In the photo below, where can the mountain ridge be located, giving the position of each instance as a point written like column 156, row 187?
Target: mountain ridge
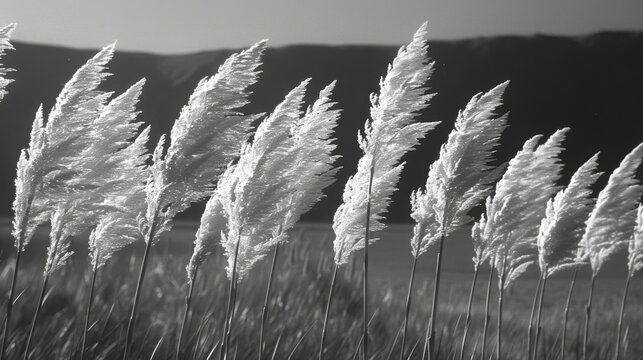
column 590, row 83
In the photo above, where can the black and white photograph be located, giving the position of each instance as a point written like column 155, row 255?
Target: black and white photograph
column 327, row 180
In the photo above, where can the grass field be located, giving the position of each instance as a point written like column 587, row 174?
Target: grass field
column 296, row 309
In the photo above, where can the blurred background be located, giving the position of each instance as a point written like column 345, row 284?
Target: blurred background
column 576, row 63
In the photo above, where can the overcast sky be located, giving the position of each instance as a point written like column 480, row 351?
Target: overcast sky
column 177, row 26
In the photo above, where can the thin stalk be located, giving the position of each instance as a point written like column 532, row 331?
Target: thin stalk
column 501, row 294
column 487, row 318
column 188, row 302
column 228, row 317
column 139, row 286
column 620, row 317
column 434, row 303
column 567, row 305
column 588, row 312
column 330, row 298
column 41, row 299
column 530, row 328
column 89, row 306
column 264, row 311
column 408, row 300
column 14, row 277
column 365, row 267
column 12, row 293
column 540, row 308
column 468, row 318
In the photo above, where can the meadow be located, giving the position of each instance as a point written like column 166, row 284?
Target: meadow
column 300, row 288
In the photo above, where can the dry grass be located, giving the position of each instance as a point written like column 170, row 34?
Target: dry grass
column 299, row 292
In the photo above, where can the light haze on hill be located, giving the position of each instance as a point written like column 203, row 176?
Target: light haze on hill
column 167, row 26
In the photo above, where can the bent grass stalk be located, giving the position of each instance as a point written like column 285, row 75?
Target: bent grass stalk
column 530, row 328
column 365, row 266
column 227, row 321
column 408, row 300
column 467, row 321
column 620, row 317
column 324, row 327
column 188, row 302
column 139, row 286
column 588, row 312
column 12, row 294
column 89, row 307
column 501, row 293
column 264, row 311
column 487, row 317
column 540, row 308
column 434, row 304
column 566, row 316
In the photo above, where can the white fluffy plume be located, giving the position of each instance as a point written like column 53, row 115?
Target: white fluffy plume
column 635, row 254
column 461, row 177
column 280, row 176
column 110, row 182
column 46, row 168
column 564, row 222
column 611, row 224
column 204, row 139
column 389, row 134
column 5, row 34
column 508, row 232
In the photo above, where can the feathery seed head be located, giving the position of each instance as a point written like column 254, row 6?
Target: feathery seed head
column 462, row 176
column 562, row 227
column 388, row 135
column 207, row 135
column 514, row 213
column 612, row 221
column 635, row 253
column 5, row 34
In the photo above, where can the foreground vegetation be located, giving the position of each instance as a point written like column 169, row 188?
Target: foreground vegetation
column 296, row 311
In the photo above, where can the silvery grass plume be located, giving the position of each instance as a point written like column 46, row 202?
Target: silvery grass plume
column 461, row 177
column 560, row 231
column 564, row 223
column 111, row 172
column 510, row 227
column 507, row 234
column 634, row 264
column 635, row 253
column 278, row 178
column 388, row 135
column 46, row 168
column 89, row 192
column 205, row 138
column 457, row 181
column 612, row 221
column 5, row 34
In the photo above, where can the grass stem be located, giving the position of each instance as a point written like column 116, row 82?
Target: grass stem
column 325, row 326
column 12, row 294
column 227, row 322
column 487, row 317
column 139, row 286
column 188, row 302
column 540, row 308
column 434, row 302
column 566, row 316
column 89, row 306
column 467, row 321
column 264, row 311
column 530, row 328
column 365, row 267
column 408, row 299
column 32, row 328
column 620, row 317
column 588, row 313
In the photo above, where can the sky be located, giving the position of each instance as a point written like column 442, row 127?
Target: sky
column 164, row 26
